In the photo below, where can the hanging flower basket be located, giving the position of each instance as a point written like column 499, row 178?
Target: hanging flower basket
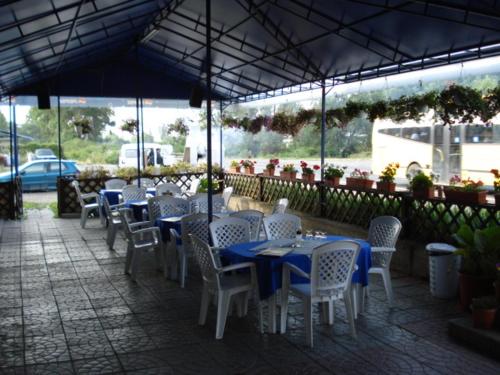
column 130, row 125
column 82, row 125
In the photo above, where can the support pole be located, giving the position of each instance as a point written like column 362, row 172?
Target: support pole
column 138, row 142
column 208, row 64
column 14, row 125
column 142, row 135
column 11, row 151
column 323, row 128
column 59, row 133
column 221, row 156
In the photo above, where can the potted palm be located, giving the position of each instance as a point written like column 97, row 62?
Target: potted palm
column 480, row 254
column 359, row 179
column 484, row 310
column 465, row 191
column 248, row 166
column 422, row 186
column 308, row 172
column 234, row 167
column 333, row 174
column 386, row 179
column 496, row 186
column 288, row 172
column 271, row 167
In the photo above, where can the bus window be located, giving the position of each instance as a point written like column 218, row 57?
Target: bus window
column 479, row 134
column 395, row 132
column 455, row 134
column 419, row 134
column 496, row 133
column 438, row 134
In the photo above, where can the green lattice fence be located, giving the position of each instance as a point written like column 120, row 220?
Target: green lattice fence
column 425, row 220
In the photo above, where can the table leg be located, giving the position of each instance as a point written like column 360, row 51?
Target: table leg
column 358, row 299
column 271, row 307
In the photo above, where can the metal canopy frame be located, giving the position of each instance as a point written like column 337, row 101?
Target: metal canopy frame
column 260, row 48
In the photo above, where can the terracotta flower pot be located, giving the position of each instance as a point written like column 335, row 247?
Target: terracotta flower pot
column 427, row 193
column 386, row 186
column 269, row 172
column 471, row 286
column 288, row 175
column 467, row 197
column 234, row 169
column 484, row 318
column 249, row 170
column 333, row 181
column 359, row 183
column 309, row 178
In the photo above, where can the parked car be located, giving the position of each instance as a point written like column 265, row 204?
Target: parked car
column 44, row 153
column 42, row 174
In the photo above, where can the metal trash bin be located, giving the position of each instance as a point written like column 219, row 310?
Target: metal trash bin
column 443, row 270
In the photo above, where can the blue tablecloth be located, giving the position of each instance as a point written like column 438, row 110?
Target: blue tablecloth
column 138, row 208
column 112, row 194
column 269, row 268
column 166, row 225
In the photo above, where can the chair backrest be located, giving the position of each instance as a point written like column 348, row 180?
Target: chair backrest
column 281, row 226
column 133, row 193
column 107, row 210
column 254, row 218
column 218, row 203
column 280, row 206
column 126, row 215
column 384, row 231
column 205, row 258
column 226, row 194
column 193, row 188
column 115, row 183
column 76, row 185
column 196, row 224
column 168, row 188
column 332, row 266
column 145, row 182
column 198, row 202
column 229, row 231
column 166, row 205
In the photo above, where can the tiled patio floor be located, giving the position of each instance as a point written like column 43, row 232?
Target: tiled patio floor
column 66, row 307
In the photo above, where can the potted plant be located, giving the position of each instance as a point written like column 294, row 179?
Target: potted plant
column 308, row 172
column 359, row 179
column 130, row 125
column 82, row 125
column 480, row 254
column 333, row 174
column 496, row 186
column 465, row 191
column 386, row 179
column 271, row 167
column 203, row 186
column 289, row 172
column 234, row 167
column 422, row 186
column 248, row 166
column 484, row 310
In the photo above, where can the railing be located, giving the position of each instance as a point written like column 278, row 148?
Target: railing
column 11, row 199
column 427, row 220
column 67, row 200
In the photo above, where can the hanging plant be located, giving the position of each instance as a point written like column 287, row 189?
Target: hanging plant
column 460, row 104
column 492, row 104
column 306, row 116
column 377, row 110
column 354, row 109
column 82, row 125
column 130, row 125
column 178, row 127
column 283, row 123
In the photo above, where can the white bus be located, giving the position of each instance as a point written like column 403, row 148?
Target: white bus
column 463, row 150
column 162, row 155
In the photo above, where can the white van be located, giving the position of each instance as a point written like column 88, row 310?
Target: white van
column 154, row 154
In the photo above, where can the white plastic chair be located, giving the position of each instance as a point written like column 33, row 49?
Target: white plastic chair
column 193, row 187
column 145, row 182
column 199, row 203
column 115, row 183
column 140, row 236
column 382, row 236
column 229, row 231
column 280, row 206
column 279, row 226
column 254, row 218
column 114, row 221
column 218, row 282
column 133, row 193
column 87, row 208
column 332, row 266
column 168, row 188
column 164, row 205
column 226, row 194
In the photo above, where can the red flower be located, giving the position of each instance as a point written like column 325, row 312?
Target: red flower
column 303, row 164
column 316, row 167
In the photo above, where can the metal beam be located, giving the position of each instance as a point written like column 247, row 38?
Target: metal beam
column 208, row 66
column 70, row 35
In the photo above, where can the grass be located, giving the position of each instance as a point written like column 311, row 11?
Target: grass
column 40, row 206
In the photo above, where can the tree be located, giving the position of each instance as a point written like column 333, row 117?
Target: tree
column 42, row 124
column 3, row 122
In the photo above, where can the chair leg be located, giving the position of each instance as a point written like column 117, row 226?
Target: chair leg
column 83, row 217
column 327, row 312
column 183, row 267
column 222, row 310
column 284, row 309
column 111, row 236
column 386, row 277
column 205, row 301
column 128, row 260
column 308, row 321
column 349, row 312
column 135, row 263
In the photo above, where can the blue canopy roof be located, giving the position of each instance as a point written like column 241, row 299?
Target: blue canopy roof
column 156, row 48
